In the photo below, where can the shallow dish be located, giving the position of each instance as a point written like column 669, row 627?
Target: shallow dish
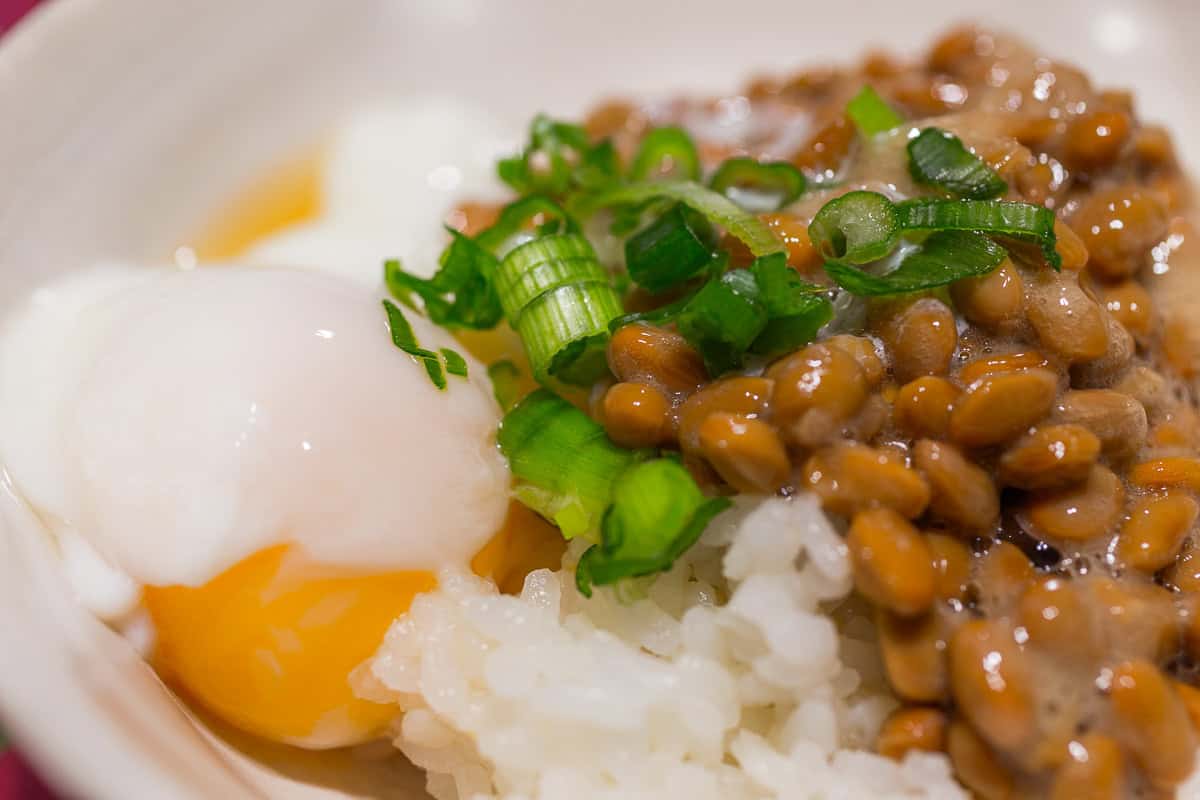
column 137, row 119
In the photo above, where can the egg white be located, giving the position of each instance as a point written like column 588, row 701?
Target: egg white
column 389, row 180
column 202, row 416
column 170, row 423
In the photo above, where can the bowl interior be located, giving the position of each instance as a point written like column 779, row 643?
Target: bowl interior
column 136, row 118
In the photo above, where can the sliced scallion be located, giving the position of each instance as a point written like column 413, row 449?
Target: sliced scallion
column 855, row 228
column 670, row 250
column 657, row 513
column 434, row 370
column 938, row 158
column 758, row 185
column 871, row 114
column 1021, row 221
column 716, row 208
column 666, row 153
column 766, row 309
column 600, row 166
column 455, row 363
column 506, row 383
column 723, row 319
column 460, row 295
column 536, row 215
column 559, row 157
column 541, row 265
column 404, row 339
column 564, row 463
column 557, row 297
column 796, row 309
column 565, row 332
column 655, row 316
column 943, row 258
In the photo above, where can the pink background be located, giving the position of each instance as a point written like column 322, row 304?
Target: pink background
column 10, row 12
column 17, row 780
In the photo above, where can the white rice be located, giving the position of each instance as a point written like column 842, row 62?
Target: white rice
column 729, row 680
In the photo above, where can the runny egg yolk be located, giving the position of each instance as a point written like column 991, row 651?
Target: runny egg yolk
column 269, row 645
column 288, row 194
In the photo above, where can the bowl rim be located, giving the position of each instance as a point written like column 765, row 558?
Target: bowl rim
column 108, row 766
column 33, row 47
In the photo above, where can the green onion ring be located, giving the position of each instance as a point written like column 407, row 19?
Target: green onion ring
column 855, row 228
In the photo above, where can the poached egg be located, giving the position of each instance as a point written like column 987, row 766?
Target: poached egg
column 245, row 448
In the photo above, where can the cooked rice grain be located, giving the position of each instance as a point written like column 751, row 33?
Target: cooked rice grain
column 728, row 679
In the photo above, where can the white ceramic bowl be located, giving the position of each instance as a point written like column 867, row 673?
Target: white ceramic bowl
column 127, row 121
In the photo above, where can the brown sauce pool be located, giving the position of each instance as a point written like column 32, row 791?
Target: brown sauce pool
column 1016, row 460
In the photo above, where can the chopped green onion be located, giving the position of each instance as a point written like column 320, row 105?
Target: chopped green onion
column 714, row 207
column 655, row 316
column 404, row 338
column 557, row 296
column 938, row 158
column 657, row 513
column 517, row 216
column 666, row 152
column 455, row 363
column 723, row 319
column 545, row 163
column 506, row 383
column 855, row 228
column 944, row 257
column 670, row 250
column 564, row 463
column 402, row 333
column 766, row 309
column 600, row 166
column 565, row 332
column 543, row 264
column 758, row 185
column 870, row 114
column 434, row 370
column 796, row 309
column 645, row 514
column 461, row 294
column 559, row 157
column 465, row 275
column 1021, row 221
